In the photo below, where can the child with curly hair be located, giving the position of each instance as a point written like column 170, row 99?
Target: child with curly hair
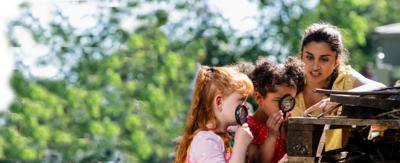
column 272, row 83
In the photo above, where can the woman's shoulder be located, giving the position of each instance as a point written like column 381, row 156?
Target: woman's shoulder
column 346, row 70
column 345, row 79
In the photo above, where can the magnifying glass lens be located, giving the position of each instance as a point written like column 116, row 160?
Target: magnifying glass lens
column 241, row 114
column 286, row 103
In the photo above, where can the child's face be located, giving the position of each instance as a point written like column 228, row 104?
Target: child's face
column 269, row 104
column 229, row 104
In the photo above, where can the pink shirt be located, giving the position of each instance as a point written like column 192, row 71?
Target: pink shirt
column 207, row 147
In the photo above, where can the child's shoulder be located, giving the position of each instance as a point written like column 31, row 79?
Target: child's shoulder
column 206, row 135
column 258, row 130
column 205, row 141
column 206, row 146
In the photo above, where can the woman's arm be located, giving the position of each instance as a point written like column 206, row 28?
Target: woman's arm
column 362, row 83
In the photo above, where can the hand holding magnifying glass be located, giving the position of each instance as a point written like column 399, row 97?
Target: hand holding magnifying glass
column 286, row 104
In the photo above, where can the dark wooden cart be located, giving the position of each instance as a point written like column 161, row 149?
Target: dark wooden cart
column 304, row 133
column 359, row 110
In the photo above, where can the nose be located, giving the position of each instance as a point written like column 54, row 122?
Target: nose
column 315, row 65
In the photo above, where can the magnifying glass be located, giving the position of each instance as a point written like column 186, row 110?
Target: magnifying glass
column 286, row 104
column 241, row 114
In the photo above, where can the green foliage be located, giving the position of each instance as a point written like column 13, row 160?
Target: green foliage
column 124, row 102
column 123, row 94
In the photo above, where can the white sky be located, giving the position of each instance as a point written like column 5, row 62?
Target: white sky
column 238, row 12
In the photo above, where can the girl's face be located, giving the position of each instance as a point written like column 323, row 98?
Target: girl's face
column 269, row 104
column 320, row 61
column 229, row 104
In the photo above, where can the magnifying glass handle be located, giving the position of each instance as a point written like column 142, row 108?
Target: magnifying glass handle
column 280, row 126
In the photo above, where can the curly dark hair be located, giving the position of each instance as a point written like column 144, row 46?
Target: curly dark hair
column 267, row 75
column 244, row 67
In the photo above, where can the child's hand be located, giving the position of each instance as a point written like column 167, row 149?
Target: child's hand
column 273, row 124
column 288, row 114
column 243, row 135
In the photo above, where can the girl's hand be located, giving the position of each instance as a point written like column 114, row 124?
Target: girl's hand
column 273, row 124
column 243, row 135
column 322, row 106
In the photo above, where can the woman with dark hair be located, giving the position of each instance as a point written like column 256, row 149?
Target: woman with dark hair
column 325, row 59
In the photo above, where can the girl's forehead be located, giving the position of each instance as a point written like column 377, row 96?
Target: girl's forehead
column 285, row 89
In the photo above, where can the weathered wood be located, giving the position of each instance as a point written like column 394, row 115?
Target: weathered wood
column 366, row 101
column 341, row 121
column 322, row 141
column 296, row 159
column 300, row 140
column 361, row 112
column 378, row 92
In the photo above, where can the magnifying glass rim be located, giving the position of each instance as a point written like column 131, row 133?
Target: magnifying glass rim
column 282, row 100
column 237, row 113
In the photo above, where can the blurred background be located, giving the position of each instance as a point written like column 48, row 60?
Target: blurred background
column 110, row 81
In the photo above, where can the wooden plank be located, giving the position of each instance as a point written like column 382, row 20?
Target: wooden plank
column 341, row 121
column 296, row 159
column 338, row 92
column 300, row 140
column 366, row 101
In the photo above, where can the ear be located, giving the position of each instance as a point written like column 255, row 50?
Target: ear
column 258, row 98
column 217, row 102
column 337, row 62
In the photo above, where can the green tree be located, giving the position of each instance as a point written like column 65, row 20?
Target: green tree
column 121, row 94
column 124, row 93
column 357, row 20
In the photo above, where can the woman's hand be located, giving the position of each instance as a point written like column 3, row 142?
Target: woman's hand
column 322, row 106
column 273, row 123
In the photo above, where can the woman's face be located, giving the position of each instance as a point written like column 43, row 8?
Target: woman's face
column 320, row 61
column 229, row 105
column 269, row 104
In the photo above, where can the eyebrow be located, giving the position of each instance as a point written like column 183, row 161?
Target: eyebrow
column 327, row 55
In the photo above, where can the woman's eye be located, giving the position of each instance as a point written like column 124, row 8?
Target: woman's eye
column 309, row 57
column 325, row 59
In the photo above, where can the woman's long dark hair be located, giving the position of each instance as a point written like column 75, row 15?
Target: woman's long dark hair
column 322, row 32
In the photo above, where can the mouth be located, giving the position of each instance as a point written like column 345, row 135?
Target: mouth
column 315, row 74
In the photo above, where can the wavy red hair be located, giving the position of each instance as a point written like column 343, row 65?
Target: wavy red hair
column 209, row 82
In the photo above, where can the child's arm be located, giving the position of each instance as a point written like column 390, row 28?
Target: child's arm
column 243, row 138
column 252, row 153
column 267, row 150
